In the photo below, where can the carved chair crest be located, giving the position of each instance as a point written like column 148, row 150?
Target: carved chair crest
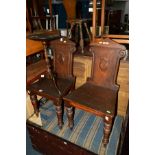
column 106, row 58
column 63, row 50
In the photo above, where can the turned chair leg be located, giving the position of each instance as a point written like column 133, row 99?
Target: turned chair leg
column 59, row 114
column 34, row 102
column 81, row 39
column 70, row 117
column 107, row 129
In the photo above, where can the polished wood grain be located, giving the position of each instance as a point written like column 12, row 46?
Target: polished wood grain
column 116, row 36
column 94, row 20
column 50, row 144
column 62, row 80
column 81, row 70
column 99, row 94
column 102, row 16
column 33, row 47
column 122, row 40
column 70, row 7
column 94, row 99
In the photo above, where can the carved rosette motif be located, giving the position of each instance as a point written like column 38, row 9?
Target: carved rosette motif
column 122, row 53
column 73, row 49
column 103, row 64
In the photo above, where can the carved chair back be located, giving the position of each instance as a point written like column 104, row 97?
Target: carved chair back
column 63, row 50
column 106, row 58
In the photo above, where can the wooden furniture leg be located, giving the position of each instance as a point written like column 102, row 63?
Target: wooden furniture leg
column 70, row 32
column 81, row 38
column 47, row 60
column 67, row 29
column 107, row 129
column 85, row 24
column 34, row 102
column 70, row 117
column 59, row 113
column 76, row 33
column 99, row 94
column 39, row 23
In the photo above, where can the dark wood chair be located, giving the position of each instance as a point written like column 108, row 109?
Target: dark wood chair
column 61, row 81
column 99, row 94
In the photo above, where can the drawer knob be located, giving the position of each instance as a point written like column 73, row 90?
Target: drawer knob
column 65, row 143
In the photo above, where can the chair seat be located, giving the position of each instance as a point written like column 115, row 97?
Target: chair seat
column 45, row 35
column 89, row 98
column 45, row 87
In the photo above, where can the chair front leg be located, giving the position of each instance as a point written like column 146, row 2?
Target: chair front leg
column 69, row 110
column 59, row 113
column 81, row 38
column 107, row 129
column 34, row 101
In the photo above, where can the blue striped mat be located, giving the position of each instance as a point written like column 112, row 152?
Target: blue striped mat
column 87, row 131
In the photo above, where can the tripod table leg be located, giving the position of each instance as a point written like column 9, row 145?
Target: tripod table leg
column 70, row 117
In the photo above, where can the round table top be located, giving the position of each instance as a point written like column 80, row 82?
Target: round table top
column 44, row 35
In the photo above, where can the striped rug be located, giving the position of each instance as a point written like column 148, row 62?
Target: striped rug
column 87, row 131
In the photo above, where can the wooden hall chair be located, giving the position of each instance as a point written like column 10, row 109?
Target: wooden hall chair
column 62, row 81
column 99, row 94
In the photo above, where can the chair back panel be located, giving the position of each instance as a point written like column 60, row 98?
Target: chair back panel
column 106, row 58
column 63, row 50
